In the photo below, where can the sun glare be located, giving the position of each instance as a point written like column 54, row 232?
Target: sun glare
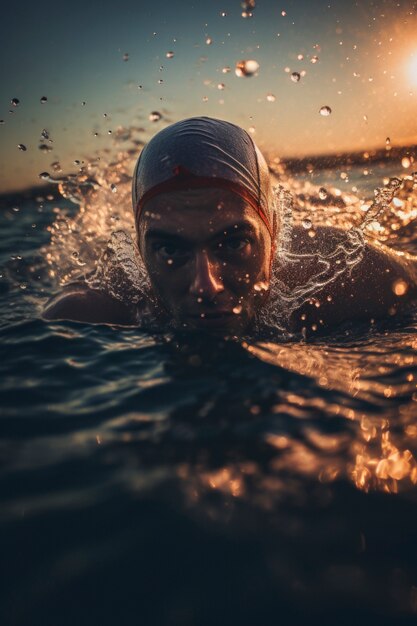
column 412, row 68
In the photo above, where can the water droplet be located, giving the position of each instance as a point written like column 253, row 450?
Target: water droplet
column 270, row 97
column 226, row 69
column 405, row 162
column 300, row 57
column 169, row 54
column 295, row 77
column 44, row 175
column 209, row 41
column 325, row 111
column 283, row 13
column 45, row 134
column 237, row 309
column 252, row 129
column 223, row 14
column 44, row 148
column 126, row 56
column 15, row 102
column 75, row 254
column 160, row 81
column 22, row 147
column 83, row 103
column 322, row 193
column 221, row 86
column 113, row 187
column 248, row 5
column 261, row 286
column 109, row 132
column 1, row 121
column 155, row 116
column 246, row 68
column 205, row 98
column 314, row 59
column 307, row 224
column 400, row 287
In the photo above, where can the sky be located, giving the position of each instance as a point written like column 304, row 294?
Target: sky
column 101, row 65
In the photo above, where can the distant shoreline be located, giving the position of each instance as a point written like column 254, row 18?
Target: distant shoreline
column 293, row 165
column 389, row 154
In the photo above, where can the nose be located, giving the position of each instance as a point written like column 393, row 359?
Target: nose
column 206, row 282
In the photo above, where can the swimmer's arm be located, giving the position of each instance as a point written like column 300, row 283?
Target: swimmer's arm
column 80, row 304
column 372, row 289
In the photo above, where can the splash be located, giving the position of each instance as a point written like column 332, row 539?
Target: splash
column 97, row 242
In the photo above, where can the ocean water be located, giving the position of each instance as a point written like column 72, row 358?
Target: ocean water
column 151, row 477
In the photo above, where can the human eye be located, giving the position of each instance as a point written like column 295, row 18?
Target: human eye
column 237, row 244
column 170, row 252
column 234, row 247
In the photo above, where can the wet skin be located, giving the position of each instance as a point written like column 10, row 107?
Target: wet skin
column 208, row 257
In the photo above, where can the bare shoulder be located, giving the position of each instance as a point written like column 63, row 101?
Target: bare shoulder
column 77, row 302
column 382, row 282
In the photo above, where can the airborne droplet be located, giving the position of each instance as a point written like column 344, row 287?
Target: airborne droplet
column 155, row 116
column 113, row 188
column 314, row 59
column 22, row 147
column 322, row 193
column 295, row 77
column 248, row 5
column 400, row 287
column 15, row 102
column 307, row 224
column 44, row 99
column 169, row 55
column 246, row 68
column 221, row 86
column 209, row 41
column 325, row 111
column 270, row 97
column 126, row 56
column 405, row 162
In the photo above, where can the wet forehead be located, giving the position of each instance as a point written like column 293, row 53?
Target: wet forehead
column 197, row 214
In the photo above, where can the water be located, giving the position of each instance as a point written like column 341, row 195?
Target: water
column 163, row 479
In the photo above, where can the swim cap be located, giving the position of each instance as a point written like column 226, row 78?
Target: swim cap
column 204, row 152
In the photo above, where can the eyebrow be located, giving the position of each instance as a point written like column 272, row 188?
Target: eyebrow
column 230, row 229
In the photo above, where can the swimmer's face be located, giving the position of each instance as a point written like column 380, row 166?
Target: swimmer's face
column 208, row 256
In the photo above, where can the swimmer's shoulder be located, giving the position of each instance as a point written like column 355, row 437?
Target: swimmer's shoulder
column 364, row 291
column 77, row 302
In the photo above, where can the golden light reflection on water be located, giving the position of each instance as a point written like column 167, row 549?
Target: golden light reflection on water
column 373, row 450
column 376, row 461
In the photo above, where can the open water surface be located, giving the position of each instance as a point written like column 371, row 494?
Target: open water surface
column 154, row 478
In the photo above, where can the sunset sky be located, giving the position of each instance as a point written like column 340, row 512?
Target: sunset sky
column 73, row 53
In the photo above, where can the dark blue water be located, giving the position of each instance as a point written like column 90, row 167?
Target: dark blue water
column 174, row 480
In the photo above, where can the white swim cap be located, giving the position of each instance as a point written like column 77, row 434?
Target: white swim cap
column 204, row 152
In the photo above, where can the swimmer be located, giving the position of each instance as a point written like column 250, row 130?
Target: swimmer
column 207, row 230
